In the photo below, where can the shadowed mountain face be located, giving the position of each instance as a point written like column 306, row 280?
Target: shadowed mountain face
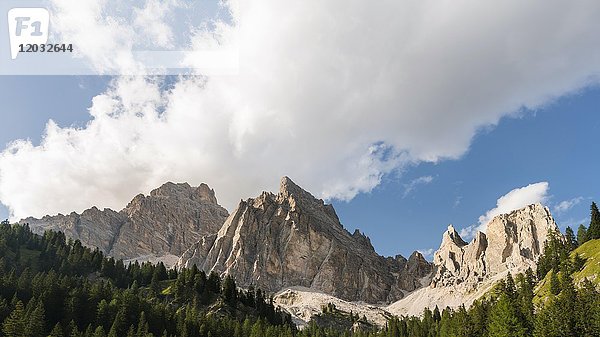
column 165, row 223
column 293, row 239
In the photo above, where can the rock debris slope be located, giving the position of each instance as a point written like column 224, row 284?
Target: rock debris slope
column 162, row 224
column 291, row 238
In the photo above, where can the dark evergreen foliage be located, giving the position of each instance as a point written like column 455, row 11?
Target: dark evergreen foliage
column 51, row 286
column 593, row 231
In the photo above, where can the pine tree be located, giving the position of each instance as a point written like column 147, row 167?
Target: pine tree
column 154, row 283
column 462, row 326
column 594, row 228
column 14, row 325
column 229, row 290
column 73, row 329
column 525, row 300
column 436, row 314
column 581, row 235
column 142, row 330
column 99, row 332
column 118, row 327
column 504, row 319
column 578, row 262
column 36, row 325
column 570, row 238
column 131, row 331
column 57, row 331
column 510, row 288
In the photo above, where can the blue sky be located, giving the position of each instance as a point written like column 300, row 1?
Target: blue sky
column 426, row 118
column 557, row 143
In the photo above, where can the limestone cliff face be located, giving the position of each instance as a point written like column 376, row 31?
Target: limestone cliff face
column 293, row 239
column 512, row 242
column 166, row 222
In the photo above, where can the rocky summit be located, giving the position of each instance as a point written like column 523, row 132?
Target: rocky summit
column 291, row 238
column 162, row 224
column 512, row 243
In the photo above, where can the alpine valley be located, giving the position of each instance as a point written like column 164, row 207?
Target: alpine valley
column 293, row 246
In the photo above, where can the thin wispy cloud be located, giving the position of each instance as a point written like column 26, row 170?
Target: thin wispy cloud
column 413, row 184
column 566, row 205
column 427, row 253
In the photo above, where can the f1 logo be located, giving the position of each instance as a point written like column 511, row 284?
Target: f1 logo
column 27, row 26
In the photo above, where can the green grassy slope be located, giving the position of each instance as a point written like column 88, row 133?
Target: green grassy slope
column 590, row 252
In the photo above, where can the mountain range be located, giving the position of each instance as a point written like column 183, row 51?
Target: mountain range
column 293, row 245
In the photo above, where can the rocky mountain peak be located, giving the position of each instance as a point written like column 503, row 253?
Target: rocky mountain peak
column 162, row 224
column 452, row 236
column 294, row 239
column 289, row 189
column 513, row 241
column 170, row 189
column 362, row 238
column 184, row 191
column 287, row 186
column 205, row 193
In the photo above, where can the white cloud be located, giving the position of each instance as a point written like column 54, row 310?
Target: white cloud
column 513, row 200
column 424, row 180
column 427, row 253
column 150, row 21
column 566, row 205
column 335, row 94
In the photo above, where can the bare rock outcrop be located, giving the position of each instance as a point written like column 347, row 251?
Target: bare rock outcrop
column 166, row 222
column 291, row 238
column 512, row 242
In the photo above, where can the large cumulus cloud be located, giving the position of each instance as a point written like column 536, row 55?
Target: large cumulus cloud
column 335, row 94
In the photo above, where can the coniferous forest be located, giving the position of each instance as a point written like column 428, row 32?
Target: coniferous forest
column 51, row 286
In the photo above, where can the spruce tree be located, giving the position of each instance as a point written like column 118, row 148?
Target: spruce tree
column 504, row 319
column 36, row 325
column 570, row 238
column 14, row 325
column 229, row 290
column 118, row 327
column 525, row 300
column 142, row 330
column 57, row 331
column 581, row 235
column 594, row 228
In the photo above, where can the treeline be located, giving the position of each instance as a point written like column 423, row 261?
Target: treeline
column 51, row 286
